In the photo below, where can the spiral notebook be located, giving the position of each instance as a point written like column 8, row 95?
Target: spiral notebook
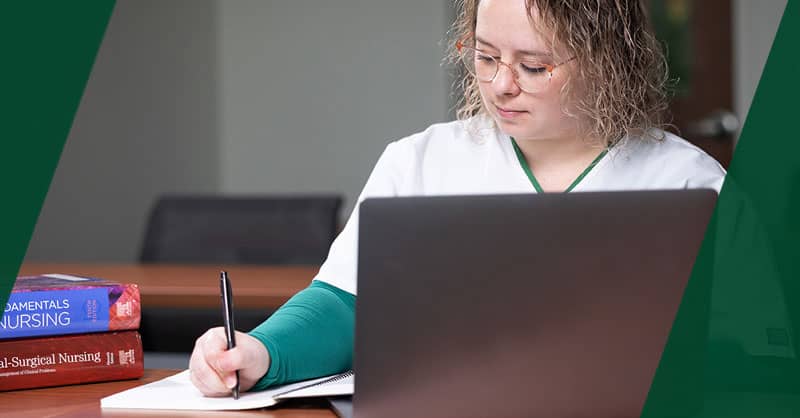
column 178, row 393
column 337, row 385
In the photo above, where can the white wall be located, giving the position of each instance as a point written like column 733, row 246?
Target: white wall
column 146, row 125
column 262, row 96
column 312, row 91
column 755, row 23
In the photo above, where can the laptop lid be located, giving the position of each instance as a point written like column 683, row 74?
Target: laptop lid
column 342, row 406
column 520, row 305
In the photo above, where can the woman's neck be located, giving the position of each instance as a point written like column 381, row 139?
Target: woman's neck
column 557, row 162
column 557, row 151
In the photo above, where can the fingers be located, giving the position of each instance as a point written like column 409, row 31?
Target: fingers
column 229, row 360
column 212, row 367
column 206, row 379
column 252, row 358
column 227, row 363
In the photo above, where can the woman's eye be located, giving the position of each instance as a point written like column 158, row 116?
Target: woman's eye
column 484, row 57
column 533, row 68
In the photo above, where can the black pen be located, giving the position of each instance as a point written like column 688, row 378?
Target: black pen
column 227, row 315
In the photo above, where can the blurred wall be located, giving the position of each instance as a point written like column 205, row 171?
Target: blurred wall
column 756, row 23
column 312, row 91
column 147, row 124
column 237, row 97
column 262, row 96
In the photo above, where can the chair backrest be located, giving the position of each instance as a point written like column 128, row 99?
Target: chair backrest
column 241, row 230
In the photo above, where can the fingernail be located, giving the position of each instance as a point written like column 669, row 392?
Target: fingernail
column 230, row 381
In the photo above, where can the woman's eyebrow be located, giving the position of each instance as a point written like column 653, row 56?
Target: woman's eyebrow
column 521, row 52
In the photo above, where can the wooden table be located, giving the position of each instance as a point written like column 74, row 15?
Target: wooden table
column 194, row 286
column 84, row 401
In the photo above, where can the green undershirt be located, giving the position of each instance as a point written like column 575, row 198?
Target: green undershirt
column 309, row 336
column 312, row 334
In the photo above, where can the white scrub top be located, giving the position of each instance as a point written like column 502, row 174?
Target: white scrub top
column 474, row 157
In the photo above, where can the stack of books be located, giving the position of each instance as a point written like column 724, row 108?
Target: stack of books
column 59, row 329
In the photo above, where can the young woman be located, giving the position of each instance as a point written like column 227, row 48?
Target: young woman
column 559, row 96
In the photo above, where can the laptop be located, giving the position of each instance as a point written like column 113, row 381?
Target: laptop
column 342, row 406
column 552, row 305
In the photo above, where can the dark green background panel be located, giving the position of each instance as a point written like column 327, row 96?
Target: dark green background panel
column 741, row 311
column 48, row 48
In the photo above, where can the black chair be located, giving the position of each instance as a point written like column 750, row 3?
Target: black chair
column 241, row 230
column 229, row 230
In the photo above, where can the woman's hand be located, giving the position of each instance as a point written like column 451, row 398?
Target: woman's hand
column 213, row 367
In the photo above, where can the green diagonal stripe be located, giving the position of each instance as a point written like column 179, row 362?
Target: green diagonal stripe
column 733, row 349
column 48, row 48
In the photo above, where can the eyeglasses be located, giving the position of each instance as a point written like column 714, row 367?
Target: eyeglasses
column 530, row 76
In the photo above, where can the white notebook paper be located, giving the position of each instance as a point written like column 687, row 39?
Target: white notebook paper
column 178, row 392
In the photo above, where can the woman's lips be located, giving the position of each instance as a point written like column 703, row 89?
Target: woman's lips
column 509, row 113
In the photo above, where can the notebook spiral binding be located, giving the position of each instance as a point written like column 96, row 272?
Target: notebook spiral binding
column 342, row 376
column 333, row 379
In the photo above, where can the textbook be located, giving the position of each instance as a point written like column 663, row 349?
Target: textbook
column 83, row 358
column 178, row 393
column 57, row 304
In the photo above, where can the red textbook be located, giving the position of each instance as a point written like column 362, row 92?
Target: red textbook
column 70, row 359
column 58, row 304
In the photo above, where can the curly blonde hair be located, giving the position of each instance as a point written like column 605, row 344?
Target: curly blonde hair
column 618, row 58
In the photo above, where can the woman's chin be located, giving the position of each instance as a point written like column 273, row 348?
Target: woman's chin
column 512, row 128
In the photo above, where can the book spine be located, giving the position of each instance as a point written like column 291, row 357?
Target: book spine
column 71, row 311
column 56, row 361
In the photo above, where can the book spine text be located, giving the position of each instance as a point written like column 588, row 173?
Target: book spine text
column 70, row 311
column 55, row 361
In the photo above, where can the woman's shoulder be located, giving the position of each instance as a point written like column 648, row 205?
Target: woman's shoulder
column 443, row 132
column 680, row 151
column 659, row 145
column 661, row 155
column 446, row 136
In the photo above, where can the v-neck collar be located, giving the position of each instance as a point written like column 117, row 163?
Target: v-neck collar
column 525, row 167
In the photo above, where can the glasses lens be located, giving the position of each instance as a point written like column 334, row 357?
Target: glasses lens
column 485, row 66
column 532, row 77
column 480, row 65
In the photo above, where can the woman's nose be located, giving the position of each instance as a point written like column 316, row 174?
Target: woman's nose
column 505, row 82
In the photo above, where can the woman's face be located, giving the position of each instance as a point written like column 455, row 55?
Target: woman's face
column 505, row 32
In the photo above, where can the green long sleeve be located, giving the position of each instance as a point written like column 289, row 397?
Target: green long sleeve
column 311, row 335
